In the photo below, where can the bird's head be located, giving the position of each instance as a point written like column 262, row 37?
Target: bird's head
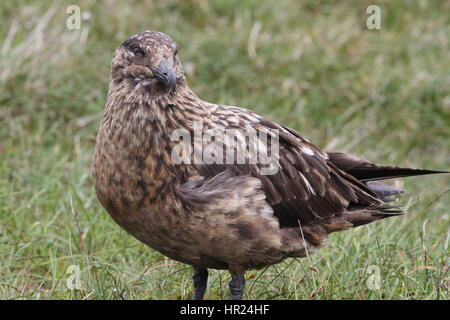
column 148, row 62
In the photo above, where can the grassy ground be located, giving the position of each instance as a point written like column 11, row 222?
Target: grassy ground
column 381, row 94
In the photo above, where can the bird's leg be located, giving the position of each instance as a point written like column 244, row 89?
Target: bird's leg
column 237, row 285
column 200, row 281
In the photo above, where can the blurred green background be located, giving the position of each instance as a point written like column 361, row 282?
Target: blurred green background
column 311, row 65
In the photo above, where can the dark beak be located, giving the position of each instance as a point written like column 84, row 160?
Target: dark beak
column 165, row 73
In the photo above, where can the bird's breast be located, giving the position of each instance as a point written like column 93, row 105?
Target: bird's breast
column 131, row 169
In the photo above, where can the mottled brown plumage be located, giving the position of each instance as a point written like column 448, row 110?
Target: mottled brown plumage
column 209, row 215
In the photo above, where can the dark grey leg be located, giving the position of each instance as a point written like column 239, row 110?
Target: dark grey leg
column 200, row 281
column 237, row 285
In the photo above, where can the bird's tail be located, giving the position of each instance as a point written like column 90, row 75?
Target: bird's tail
column 369, row 215
column 377, row 172
column 364, row 170
column 316, row 233
column 359, row 214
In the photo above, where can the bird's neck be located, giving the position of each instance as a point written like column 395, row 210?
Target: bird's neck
column 141, row 128
column 134, row 142
column 146, row 115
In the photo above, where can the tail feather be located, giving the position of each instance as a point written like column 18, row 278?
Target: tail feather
column 375, row 172
column 316, row 233
column 362, row 217
column 364, row 170
column 368, row 215
column 358, row 214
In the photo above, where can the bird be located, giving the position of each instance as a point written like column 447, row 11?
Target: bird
column 182, row 199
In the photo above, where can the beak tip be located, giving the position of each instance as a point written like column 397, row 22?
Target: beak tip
column 166, row 74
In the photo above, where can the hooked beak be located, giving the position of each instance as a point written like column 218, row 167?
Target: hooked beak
column 165, row 73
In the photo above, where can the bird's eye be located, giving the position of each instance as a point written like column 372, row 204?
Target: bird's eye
column 137, row 51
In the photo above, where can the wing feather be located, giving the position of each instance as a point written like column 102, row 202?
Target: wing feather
column 307, row 187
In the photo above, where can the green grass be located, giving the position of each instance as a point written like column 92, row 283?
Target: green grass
column 381, row 94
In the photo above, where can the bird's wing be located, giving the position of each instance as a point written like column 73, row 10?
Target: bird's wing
column 306, row 188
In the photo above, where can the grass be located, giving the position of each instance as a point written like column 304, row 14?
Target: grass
column 381, row 94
